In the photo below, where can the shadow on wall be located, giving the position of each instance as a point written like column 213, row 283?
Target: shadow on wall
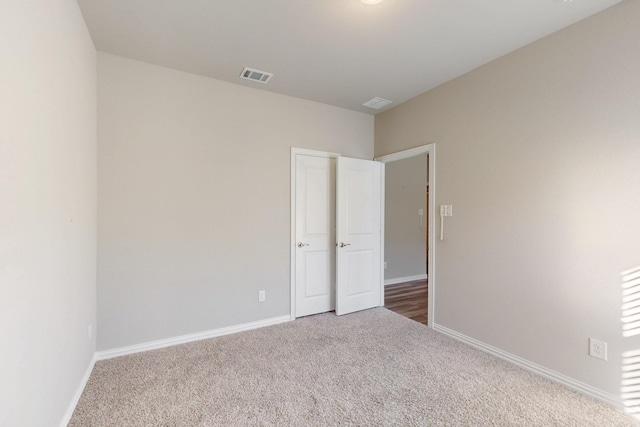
column 630, row 390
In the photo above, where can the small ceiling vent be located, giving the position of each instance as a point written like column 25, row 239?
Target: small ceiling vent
column 255, row 75
column 377, row 103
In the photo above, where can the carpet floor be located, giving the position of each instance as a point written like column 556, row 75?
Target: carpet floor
column 372, row 368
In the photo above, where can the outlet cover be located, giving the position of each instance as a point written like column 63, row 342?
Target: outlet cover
column 385, row 265
column 262, row 296
column 598, row 349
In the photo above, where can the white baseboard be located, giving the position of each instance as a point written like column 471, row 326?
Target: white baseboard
column 76, row 397
column 154, row 345
column 568, row 382
column 108, row 354
column 397, row 280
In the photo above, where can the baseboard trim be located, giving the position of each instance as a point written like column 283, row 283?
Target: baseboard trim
column 397, row 280
column 568, row 382
column 168, row 342
column 76, row 397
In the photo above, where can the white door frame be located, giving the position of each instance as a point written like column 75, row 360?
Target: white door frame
column 429, row 149
column 294, row 153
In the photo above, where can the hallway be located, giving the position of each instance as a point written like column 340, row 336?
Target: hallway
column 408, row 299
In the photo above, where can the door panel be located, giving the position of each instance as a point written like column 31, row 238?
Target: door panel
column 358, row 199
column 316, row 183
column 359, row 272
column 315, row 231
column 358, row 224
column 317, row 271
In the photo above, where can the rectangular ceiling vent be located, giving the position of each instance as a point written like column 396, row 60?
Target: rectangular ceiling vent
column 377, row 103
column 255, row 75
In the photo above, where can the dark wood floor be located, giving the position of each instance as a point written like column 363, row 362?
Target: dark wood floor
column 408, row 299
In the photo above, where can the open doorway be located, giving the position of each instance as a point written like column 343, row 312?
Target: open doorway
column 408, row 231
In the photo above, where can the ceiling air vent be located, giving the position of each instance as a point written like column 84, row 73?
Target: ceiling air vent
column 377, row 103
column 255, row 75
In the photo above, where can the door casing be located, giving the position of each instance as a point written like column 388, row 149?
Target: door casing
column 429, row 149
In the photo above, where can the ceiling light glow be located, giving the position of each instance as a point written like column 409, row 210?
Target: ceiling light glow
column 371, row 1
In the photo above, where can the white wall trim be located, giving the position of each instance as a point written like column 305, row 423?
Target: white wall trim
column 429, row 149
column 154, row 345
column 405, row 154
column 431, row 252
column 316, row 153
column 292, row 257
column 397, row 280
column 76, row 397
column 382, row 219
column 557, row 377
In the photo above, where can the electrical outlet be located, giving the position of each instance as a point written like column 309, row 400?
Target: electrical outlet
column 262, row 296
column 598, row 349
column 385, row 265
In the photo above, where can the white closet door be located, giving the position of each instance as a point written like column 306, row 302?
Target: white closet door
column 358, row 220
column 315, row 235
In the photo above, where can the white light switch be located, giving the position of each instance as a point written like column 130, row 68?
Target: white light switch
column 446, row 210
column 420, row 212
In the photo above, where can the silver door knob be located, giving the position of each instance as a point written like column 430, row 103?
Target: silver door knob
column 301, row 245
column 342, row 245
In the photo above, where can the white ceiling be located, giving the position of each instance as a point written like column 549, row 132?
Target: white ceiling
column 338, row 52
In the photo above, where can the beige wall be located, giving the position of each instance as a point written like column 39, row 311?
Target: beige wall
column 405, row 243
column 194, row 198
column 539, row 154
column 47, row 209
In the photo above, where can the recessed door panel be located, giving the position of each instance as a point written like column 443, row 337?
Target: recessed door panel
column 316, row 196
column 317, row 272
column 359, row 200
column 359, row 272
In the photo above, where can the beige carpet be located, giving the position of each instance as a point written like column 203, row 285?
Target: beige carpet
column 373, row 368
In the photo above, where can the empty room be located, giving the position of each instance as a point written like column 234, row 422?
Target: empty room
column 343, row 212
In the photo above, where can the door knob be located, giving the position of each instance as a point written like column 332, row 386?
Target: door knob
column 300, row 244
column 342, row 245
